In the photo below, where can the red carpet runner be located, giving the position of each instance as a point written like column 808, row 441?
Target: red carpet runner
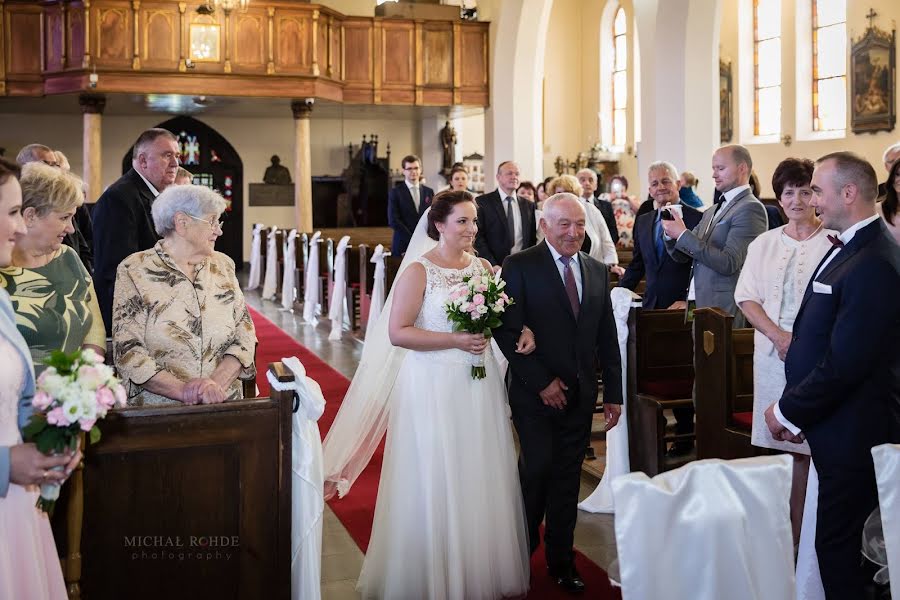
column 357, row 510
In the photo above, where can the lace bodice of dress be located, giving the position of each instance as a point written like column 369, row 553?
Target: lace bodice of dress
column 433, row 315
column 12, row 377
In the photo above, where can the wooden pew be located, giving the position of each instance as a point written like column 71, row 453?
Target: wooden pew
column 660, row 374
column 724, row 386
column 366, row 278
column 391, row 269
column 186, row 502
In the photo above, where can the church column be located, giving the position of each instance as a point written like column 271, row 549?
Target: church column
column 302, row 165
column 92, row 106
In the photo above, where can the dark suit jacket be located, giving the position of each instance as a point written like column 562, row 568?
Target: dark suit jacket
column 403, row 216
column 123, row 225
column 566, row 348
column 492, row 242
column 606, row 209
column 843, row 365
column 667, row 280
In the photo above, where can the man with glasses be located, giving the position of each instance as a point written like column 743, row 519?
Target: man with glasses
column 406, row 203
column 123, row 223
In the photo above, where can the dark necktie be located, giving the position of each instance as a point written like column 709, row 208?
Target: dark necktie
column 571, row 286
column 835, row 241
column 658, row 238
column 510, row 221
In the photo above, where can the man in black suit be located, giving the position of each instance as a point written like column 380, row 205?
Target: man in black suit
column 563, row 296
column 406, row 204
column 587, row 178
column 506, row 223
column 667, row 280
column 843, row 368
column 123, row 223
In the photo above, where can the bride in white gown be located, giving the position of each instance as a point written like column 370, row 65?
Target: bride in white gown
column 449, row 520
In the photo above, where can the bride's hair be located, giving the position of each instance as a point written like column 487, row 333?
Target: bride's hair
column 442, row 206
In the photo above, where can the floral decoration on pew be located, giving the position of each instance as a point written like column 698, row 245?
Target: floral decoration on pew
column 73, row 393
column 475, row 306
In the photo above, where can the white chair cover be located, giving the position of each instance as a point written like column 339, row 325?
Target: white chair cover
column 711, row 529
column 307, row 479
column 376, row 304
column 617, row 462
column 311, row 288
column 337, row 304
column 270, row 283
column 255, row 257
column 809, row 579
column 288, row 285
column 887, row 474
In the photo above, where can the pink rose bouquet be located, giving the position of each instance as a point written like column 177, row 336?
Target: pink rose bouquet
column 73, row 393
column 475, row 306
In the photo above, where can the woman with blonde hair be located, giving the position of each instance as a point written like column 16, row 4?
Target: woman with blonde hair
column 52, row 292
column 598, row 242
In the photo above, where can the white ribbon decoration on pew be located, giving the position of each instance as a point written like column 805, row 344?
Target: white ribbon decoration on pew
column 337, row 303
column 809, row 579
column 307, row 502
column 270, row 284
column 887, row 475
column 311, row 287
column 617, row 462
column 255, row 257
column 376, row 304
column 288, row 285
column 711, row 529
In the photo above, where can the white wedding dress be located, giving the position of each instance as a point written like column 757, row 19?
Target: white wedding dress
column 449, row 520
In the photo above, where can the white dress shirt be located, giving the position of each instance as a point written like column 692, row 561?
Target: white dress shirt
column 149, row 185
column 415, row 193
column 845, row 237
column 517, row 219
column 576, row 270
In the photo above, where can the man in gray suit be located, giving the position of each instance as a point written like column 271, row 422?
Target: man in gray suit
column 718, row 244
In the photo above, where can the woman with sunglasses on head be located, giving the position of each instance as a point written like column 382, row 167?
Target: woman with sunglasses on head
column 181, row 328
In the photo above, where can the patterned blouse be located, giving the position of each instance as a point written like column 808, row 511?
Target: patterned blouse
column 164, row 322
column 56, row 307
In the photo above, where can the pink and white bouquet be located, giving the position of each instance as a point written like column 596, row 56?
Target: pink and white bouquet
column 475, row 306
column 73, row 393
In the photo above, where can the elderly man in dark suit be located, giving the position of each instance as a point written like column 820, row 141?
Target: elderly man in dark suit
column 407, row 202
column 717, row 245
column 123, row 223
column 506, row 223
column 667, row 279
column 842, row 366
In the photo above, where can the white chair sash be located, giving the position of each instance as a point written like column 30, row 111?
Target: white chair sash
column 288, row 285
column 617, row 461
column 311, row 288
column 255, row 257
column 270, row 283
column 337, row 304
column 887, row 475
column 376, row 304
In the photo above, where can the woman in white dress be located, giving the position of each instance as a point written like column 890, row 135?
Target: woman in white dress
column 449, row 520
column 778, row 268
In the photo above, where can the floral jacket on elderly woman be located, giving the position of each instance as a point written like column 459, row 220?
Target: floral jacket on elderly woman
column 163, row 322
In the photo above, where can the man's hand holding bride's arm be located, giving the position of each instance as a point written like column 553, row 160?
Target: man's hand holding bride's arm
column 526, row 344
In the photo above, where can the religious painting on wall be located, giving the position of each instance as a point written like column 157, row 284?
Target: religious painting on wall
column 872, row 78
column 726, row 115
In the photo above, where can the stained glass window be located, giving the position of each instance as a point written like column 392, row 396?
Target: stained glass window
column 829, row 49
column 767, row 67
column 620, row 78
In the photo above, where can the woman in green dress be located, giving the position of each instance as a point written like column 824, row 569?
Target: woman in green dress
column 51, row 291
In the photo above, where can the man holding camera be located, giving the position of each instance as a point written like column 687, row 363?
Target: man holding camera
column 717, row 246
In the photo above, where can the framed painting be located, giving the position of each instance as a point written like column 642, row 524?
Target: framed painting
column 872, row 77
column 726, row 111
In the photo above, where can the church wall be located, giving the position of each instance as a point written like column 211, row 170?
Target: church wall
column 255, row 140
column 767, row 156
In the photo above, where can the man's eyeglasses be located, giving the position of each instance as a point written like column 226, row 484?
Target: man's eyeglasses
column 213, row 223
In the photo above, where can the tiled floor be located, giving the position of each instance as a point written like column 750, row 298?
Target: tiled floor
column 341, row 557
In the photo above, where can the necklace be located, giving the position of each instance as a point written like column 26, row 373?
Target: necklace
column 807, row 238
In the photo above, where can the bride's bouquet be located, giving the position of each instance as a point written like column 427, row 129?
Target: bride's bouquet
column 475, row 306
column 72, row 394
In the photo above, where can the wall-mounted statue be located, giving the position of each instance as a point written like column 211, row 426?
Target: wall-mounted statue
column 448, row 145
column 276, row 173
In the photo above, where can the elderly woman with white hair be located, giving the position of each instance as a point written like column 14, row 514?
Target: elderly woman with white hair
column 181, row 328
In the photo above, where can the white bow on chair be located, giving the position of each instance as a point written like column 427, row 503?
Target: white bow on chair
column 270, row 284
column 255, row 257
column 288, row 287
column 377, row 302
column 311, row 291
column 337, row 304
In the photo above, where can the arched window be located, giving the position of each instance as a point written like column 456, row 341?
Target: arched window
column 619, row 78
column 829, row 59
column 766, row 67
